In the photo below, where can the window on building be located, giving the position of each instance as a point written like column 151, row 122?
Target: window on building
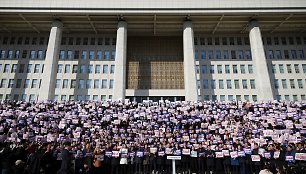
column 286, row 54
column 242, row 69
column 106, row 55
column 303, row 97
column 42, row 41
column 197, row 69
column 196, row 55
column 218, row 54
column 217, row 41
column 289, row 70
column 232, row 41
column 57, row 83
column 203, row 54
column 225, row 54
column 91, row 55
column 213, row 84
column 10, row 54
column 284, row 40
column 18, row 83
column 221, row 84
column 88, row 84
column 29, row 68
column 100, row 41
column 230, row 97
column 244, row 84
column 235, row 69
column 296, row 68
column 27, row 41
column 99, row 55
column 98, row 69
column 73, row 84
column 11, row 83
column 3, row 83
column 281, row 68
column 227, row 69
column 36, row 68
column 209, row 41
column 111, row 84
column 69, row 54
column 202, row 41
column 107, row 41
column 252, row 84
column 65, row 83
column 212, row 69
column 276, row 84
column 270, row 54
column 210, row 54
column 81, row 84
column 59, row 68
column 239, row 41
column 222, row 97
column 276, row 41
column 278, row 54
column 198, row 84
column 233, row 54
column 67, row 68
column 90, row 69
column 284, row 83
column 292, row 85
column 32, row 54
column 84, row 54
column 104, row 84
column 246, row 97
column 114, row 41
column 63, row 98
column 112, row 69
column 6, row 68
column 205, row 84
column 224, row 40
column 250, row 68
column 83, row 69
column 75, row 69
column 34, row 83
column 85, row 41
column 254, row 98
column 301, row 54
column 269, row 41
column 293, row 54
column 204, row 69
column 304, row 68
column 273, row 68
column 105, row 69
column 300, row 83
column 219, row 68
column 96, row 83
column 228, row 84
column 236, row 83
column 240, row 54
column 195, row 39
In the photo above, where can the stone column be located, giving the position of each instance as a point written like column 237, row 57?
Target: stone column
column 191, row 91
column 120, row 62
column 262, row 78
column 48, row 78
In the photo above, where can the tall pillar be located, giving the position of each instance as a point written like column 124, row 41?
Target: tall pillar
column 49, row 75
column 191, row 91
column 263, row 82
column 120, row 62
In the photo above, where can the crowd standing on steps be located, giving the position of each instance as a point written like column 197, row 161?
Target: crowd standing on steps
column 114, row 137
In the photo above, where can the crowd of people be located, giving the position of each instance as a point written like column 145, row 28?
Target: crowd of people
column 129, row 137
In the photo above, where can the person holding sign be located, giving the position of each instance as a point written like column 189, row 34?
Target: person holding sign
column 160, row 159
column 256, row 161
column 153, row 157
column 124, row 153
column 210, row 159
column 115, row 160
column 139, row 160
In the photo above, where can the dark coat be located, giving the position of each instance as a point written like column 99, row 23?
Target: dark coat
column 66, row 163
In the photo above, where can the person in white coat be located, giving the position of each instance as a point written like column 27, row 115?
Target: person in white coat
column 123, row 158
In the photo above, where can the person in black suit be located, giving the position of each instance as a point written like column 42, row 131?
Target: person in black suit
column 66, row 160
